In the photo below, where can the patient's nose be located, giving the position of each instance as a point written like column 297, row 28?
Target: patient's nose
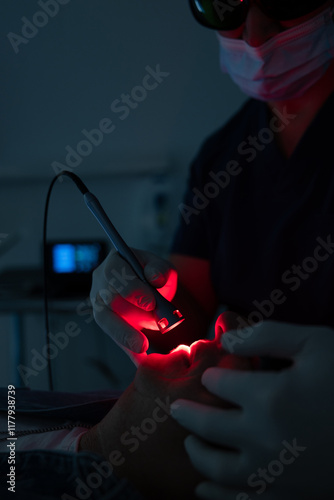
column 226, row 322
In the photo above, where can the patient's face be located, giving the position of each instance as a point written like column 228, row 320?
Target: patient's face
column 141, row 428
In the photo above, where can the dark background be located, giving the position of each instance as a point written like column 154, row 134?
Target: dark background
column 63, row 81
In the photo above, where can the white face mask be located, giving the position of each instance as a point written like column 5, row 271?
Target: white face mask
column 285, row 66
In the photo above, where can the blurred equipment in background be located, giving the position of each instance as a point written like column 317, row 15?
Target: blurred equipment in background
column 70, row 265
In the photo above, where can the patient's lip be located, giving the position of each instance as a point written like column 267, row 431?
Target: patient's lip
column 198, row 348
column 181, row 352
column 182, row 347
column 195, row 350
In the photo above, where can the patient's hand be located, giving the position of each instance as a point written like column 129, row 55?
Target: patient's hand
column 149, row 442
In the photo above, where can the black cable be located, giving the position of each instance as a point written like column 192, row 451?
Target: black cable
column 82, row 187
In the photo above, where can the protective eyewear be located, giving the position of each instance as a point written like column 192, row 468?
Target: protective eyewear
column 224, row 15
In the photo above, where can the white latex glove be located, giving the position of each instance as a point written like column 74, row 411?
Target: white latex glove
column 283, row 433
column 122, row 303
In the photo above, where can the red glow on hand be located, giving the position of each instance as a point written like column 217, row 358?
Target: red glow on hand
column 169, row 289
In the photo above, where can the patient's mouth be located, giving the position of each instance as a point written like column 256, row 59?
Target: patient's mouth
column 196, row 350
column 190, row 350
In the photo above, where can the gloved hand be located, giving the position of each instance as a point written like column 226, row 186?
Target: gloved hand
column 122, row 303
column 282, row 430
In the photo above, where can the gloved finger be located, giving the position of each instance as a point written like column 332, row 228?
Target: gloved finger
column 270, row 338
column 222, row 427
column 239, row 387
column 163, row 276
column 134, row 316
column 227, row 321
column 119, row 330
column 136, row 358
column 137, row 318
column 116, row 277
column 156, row 270
column 221, row 466
column 159, row 272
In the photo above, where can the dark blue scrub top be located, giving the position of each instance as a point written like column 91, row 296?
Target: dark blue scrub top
column 265, row 223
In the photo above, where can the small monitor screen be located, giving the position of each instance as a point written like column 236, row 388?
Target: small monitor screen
column 75, row 257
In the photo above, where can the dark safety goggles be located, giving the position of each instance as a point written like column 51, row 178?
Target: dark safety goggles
column 225, row 15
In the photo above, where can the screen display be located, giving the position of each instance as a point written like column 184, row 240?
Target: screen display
column 75, row 257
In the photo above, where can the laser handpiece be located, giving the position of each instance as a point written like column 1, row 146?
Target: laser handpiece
column 165, row 314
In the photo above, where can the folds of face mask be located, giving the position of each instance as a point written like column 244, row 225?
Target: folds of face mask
column 286, row 65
